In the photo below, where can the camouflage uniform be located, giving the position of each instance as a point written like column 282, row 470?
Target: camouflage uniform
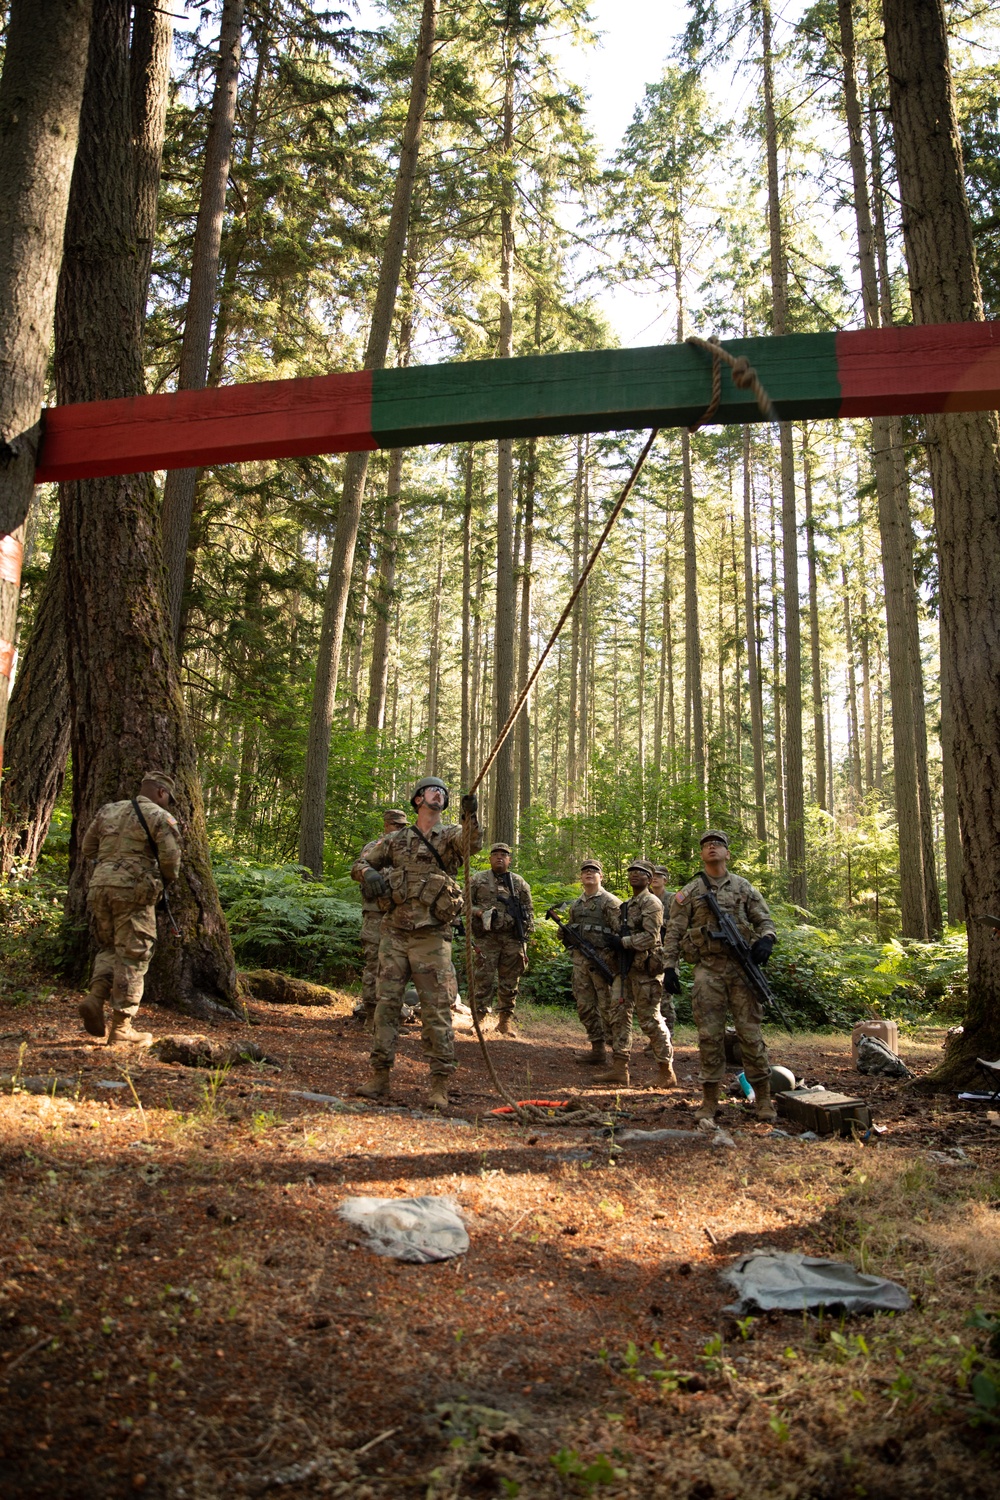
column 718, row 979
column 593, row 917
column 371, row 932
column 416, row 938
column 123, row 893
column 501, row 958
column 641, row 990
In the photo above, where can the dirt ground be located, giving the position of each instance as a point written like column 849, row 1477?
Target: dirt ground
column 184, row 1314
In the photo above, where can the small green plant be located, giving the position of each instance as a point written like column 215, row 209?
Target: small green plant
column 779, row 1427
column 264, row 1120
column 588, row 1477
column 211, row 1089
column 713, row 1357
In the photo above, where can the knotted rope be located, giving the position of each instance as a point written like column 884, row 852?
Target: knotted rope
column 743, row 374
column 528, row 1114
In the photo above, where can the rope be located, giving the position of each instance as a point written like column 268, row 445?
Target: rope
column 744, row 377
column 526, row 1115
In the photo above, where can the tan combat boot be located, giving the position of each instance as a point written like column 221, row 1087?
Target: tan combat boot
column 437, row 1094
column 92, row 1015
column 505, row 1025
column 763, row 1108
column 122, row 1030
column 709, row 1102
column 377, row 1086
column 666, row 1078
column 369, row 1026
column 617, row 1073
column 595, row 1058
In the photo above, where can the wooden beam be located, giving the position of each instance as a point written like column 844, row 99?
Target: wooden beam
column 874, row 372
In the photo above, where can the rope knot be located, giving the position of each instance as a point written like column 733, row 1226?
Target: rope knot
column 743, row 376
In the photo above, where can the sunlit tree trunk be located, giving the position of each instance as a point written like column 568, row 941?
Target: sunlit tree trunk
column 524, row 758
column 467, row 660
column 383, row 594
column 819, row 741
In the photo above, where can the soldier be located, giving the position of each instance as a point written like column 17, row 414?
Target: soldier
column 637, row 991
column 133, row 861
column 658, row 886
column 594, row 916
column 421, row 899
column 502, row 919
column 718, row 978
column 371, row 917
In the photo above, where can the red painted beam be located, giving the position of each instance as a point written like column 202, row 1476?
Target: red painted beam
column 890, row 372
column 225, row 424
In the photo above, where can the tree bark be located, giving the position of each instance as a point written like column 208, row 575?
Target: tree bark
column 819, row 738
column 125, row 697
column 179, row 489
column 467, row 662
column 524, row 759
column 753, row 647
column 952, row 827
column 434, row 664
column 964, row 455
column 794, row 790
column 692, row 634
column 317, row 766
column 573, row 730
column 149, row 68
column 40, row 93
column 895, row 536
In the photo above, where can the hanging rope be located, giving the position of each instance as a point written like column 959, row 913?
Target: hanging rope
column 528, row 1114
column 744, row 377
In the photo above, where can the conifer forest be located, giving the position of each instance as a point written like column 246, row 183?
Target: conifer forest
column 787, row 632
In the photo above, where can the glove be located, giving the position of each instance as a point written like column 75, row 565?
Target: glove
column 469, row 804
column 375, row 884
column 615, row 942
column 761, row 950
column 671, row 981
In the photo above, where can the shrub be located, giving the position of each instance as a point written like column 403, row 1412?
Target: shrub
column 279, row 919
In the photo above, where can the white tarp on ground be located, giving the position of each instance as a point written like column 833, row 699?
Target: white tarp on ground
column 415, row 1229
column 790, row 1282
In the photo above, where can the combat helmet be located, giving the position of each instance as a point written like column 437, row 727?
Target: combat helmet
column 422, row 786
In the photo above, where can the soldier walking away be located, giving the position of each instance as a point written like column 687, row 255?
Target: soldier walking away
column 371, row 917
column 502, row 920
column 137, row 846
column 412, row 875
column 718, row 978
column 637, row 990
column 593, row 916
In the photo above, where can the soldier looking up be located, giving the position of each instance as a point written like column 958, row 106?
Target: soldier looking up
column 371, row 916
column 502, row 919
column 133, row 862
column 718, row 978
column 412, row 875
column 637, row 989
column 594, row 917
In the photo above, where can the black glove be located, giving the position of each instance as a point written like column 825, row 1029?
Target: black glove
column 762, row 949
column 470, row 804
column 375, row 884
column 615, row 942
column 671, row 981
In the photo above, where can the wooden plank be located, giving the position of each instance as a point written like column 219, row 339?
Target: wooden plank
column 894, row 371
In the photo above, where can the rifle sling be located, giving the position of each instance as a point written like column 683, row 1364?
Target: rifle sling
column 149, row 837
column 430, row 846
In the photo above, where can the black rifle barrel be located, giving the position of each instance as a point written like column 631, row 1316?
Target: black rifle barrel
column 734, row 940
column 576, row 941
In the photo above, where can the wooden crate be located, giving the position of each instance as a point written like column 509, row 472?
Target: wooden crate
column 824, row 1111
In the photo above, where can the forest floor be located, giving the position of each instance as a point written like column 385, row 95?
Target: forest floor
column 184, row 1314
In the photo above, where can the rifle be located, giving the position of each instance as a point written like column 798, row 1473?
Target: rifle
column 164, row 900
column 513, row 905
column 738, row 946
column 574, row 940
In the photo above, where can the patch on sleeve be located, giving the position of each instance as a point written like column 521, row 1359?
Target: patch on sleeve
column 171, row 821
column 680, row 897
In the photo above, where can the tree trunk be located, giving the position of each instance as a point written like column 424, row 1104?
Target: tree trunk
column 383, row 587
column 317, row 766
column 779, row 760
column 692, row 636
column 467, row 663
column 125, row 697
column 819, row 739
column 40, row 93
column 38, row 731
column 895, row 535
column 434, row 664
column 179, row 489
column 524, row 758
column 573, row 731
column 149, row 68
column 952, row 827
column 794, row 790
column 964, row 455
